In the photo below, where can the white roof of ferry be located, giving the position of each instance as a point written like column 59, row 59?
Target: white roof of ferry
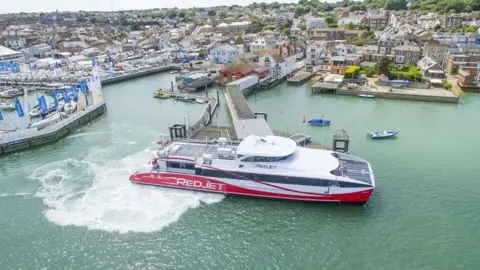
column 266, row 146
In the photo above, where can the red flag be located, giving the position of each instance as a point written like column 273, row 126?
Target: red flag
column 303, row 121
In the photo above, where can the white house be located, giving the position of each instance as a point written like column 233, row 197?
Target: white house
column 263, row 43
column 315, row 23
column 224, row 54
column 280, row 62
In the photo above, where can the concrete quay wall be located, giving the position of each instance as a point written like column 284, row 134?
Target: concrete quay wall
column 393, row 95
column 25, row 139
column 138, row 74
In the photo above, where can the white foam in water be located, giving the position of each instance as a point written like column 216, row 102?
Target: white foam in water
column 86, row 194
column 16, row 194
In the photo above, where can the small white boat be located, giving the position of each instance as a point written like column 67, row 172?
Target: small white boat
column 11, row 93
column 48, row 121
column 201, row 100
column 5, row 105
column 70, row 107
column 365, row 96
column 35, row 112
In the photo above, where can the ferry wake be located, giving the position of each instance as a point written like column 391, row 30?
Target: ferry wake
column 262, row 166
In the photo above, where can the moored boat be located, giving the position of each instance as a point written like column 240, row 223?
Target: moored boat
column 35, row 112
column 382, row 134
column 70, row 107
column 48, row 121
column 319, row 122
column 160, row 95
column 365, row 96
column 11, row 93
column 201, row 100
column 185, row 99
column 266, row 166
column 6, row 105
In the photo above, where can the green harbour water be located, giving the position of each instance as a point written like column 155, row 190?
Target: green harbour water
column 70, row 205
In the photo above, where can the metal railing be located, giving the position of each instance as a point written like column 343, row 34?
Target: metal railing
column 204, row 118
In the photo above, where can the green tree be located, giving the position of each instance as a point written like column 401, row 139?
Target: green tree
column 396, row 5
column 285, row 32
column 383, row 65
column 212, row 13
column 222, row 15
column 299, row 11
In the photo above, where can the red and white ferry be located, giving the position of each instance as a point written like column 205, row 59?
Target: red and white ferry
column 262, row 166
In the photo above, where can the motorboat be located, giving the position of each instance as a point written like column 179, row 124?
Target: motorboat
column 47, row 121
column 11, row 93
column 260, row 166
column 382, row 134
column 365, row 96
column 35, row 112
column 160, row 95
column 185, row 99
column 6, row 105
column 52, row 108
column 201, row 100
column 319, row 122
column 70, row 107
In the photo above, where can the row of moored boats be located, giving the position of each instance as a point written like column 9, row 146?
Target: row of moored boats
column 160, row 94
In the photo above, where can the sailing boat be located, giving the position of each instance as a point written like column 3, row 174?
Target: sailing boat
column 6, row 105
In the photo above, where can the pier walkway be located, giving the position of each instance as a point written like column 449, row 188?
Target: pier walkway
column 300, row 77
column 207, row 114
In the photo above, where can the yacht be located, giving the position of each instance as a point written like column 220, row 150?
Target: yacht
column 261, row 166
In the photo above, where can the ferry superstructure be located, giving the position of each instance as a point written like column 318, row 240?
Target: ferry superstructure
column 262, row 166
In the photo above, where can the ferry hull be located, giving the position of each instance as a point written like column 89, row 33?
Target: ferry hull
column 200, row 183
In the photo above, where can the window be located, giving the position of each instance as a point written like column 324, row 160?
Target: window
column 174, row 165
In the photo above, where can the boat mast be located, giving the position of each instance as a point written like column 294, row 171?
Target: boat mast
column 25, row 89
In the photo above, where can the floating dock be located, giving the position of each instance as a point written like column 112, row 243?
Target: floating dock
column 300, row 78
column 206, row 115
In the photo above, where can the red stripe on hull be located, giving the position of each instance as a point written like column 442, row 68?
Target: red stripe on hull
column 200, row 183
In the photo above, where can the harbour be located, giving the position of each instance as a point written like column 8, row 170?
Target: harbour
column 122, row 140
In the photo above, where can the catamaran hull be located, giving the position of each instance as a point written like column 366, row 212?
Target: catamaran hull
column 200, row 183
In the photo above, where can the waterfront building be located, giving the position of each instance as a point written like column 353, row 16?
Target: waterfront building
column 40, row 50
column 461, row 61
column 280, row 62
column 224, row 54
column 338, row 64
column 431, row 69
column 241, row 69
column 407, row 54
column 7, row 54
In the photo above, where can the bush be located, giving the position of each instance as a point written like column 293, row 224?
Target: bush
column 352, row 71
column 370, row 72
column 447, row 86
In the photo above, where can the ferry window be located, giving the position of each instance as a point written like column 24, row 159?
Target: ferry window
column 189, row 166
column 174, row 165
column 249, row 159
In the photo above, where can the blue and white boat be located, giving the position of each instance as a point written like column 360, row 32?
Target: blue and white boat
column 382, row 134
column 319, row 122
